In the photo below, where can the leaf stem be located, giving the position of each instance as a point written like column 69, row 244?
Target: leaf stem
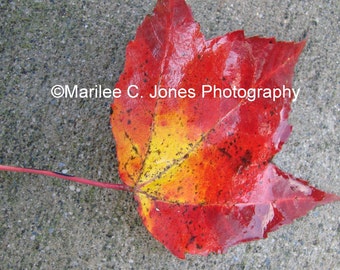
column 67, row 177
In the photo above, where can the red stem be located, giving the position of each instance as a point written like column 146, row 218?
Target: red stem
column 67, row 177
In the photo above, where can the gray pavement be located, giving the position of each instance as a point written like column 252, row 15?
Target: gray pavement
column 51, row 224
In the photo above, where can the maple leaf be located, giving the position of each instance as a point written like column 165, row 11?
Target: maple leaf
column 200, row 165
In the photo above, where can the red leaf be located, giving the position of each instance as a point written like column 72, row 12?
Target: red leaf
column 200, row 165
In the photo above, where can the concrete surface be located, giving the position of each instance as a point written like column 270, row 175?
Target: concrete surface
column 51, row 224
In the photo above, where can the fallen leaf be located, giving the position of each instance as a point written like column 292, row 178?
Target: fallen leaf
column 200, row 165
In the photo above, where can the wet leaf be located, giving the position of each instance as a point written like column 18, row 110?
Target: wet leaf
column 200, row 164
